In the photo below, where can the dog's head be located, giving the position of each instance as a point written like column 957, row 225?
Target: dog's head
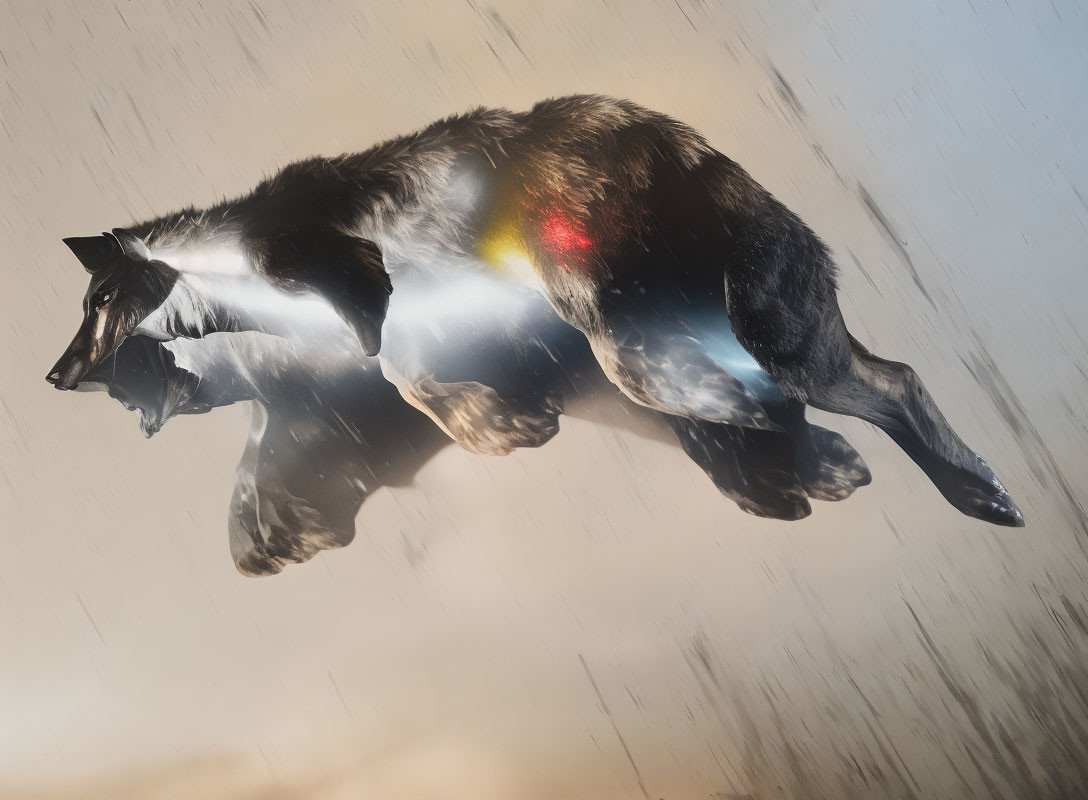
column 126, row 285
column 143, row 376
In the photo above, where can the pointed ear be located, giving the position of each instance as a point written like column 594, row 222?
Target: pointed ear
column 131, row 244
column 93, row 252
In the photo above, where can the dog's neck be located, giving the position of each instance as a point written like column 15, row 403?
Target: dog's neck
column 200, row 304
column 222, row 258
column 198, row 240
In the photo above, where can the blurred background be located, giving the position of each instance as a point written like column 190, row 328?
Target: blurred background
column 587, row 620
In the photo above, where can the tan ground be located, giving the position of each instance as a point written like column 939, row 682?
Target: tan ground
column 589, row 620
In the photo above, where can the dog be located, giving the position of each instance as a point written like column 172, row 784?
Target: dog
column 699, row 293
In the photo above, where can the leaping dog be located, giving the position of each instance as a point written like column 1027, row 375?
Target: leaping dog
column 700, row 294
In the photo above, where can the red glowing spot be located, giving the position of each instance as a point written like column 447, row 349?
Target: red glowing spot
column 561, row 234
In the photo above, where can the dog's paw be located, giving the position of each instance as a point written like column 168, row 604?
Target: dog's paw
column 478, row 419
column 775, row 496
column 983, row 497
column 270, row 528
column 829, row 468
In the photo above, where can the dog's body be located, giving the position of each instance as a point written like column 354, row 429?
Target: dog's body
column 561, row 199
column 700, row 295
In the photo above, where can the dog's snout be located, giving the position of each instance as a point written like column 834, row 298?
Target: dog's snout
column 67, row 372
column 62, row 381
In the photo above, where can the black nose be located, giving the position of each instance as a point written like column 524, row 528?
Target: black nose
column 65, row 378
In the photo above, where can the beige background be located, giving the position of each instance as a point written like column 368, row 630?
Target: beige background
column 590, row 620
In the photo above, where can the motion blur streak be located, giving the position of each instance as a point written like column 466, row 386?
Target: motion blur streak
column 882, row 648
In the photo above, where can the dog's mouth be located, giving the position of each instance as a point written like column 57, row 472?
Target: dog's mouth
column 150, row 422
column 144, row 378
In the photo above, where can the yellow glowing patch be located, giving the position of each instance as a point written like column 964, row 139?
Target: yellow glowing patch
column 503, row 248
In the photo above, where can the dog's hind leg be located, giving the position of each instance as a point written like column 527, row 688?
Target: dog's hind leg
column 753, row 468
column 890, row 395
column 832, row 371
column 827, row 466
column 781, row 299
column 770, row 473
column 663, row 368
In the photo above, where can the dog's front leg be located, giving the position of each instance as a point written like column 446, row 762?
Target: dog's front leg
column 474, row 415
column 272, row 523
column 345, row 270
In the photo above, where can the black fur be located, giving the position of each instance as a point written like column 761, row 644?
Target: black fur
column 632, row 225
